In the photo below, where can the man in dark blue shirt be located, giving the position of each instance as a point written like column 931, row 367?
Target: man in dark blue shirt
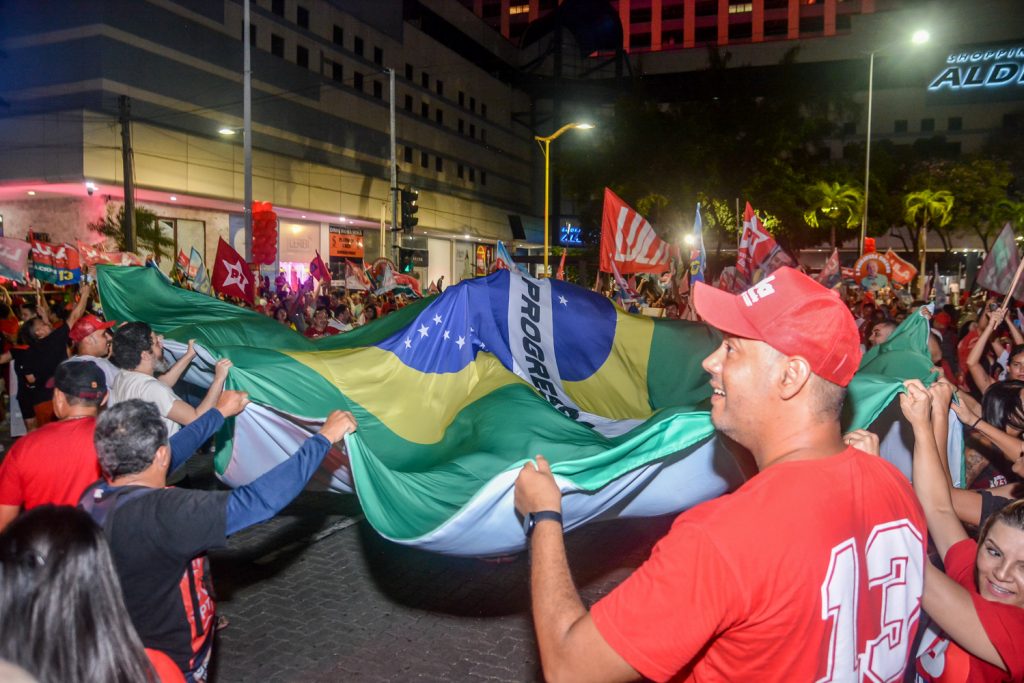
column 159, row 536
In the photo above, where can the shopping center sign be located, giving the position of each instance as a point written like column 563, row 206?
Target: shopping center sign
column 990, row 71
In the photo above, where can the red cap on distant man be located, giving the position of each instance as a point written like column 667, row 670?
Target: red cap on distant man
column 794, row 315
column 86, row 325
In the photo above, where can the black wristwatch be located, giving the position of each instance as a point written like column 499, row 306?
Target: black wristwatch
column 531, row 519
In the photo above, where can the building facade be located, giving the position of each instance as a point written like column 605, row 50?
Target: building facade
column 320, row 103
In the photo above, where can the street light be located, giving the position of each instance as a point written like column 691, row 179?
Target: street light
column 919, row 37
column 545, row 146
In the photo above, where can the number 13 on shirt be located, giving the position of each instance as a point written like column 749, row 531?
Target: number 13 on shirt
column 893, row 559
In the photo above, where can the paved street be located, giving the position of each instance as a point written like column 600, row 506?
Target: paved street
column 317, row 595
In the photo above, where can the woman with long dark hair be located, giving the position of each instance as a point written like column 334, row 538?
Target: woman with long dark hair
column 63, row 614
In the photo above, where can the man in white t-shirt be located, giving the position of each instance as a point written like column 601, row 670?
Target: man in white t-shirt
column 139, row 352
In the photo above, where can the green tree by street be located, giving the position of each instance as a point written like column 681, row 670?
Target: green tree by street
column 148, row 235
column 923, row 209
column 839, row 205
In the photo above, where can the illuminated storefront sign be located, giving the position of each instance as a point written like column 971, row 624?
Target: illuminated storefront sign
column 982, row 68
column 569, row 235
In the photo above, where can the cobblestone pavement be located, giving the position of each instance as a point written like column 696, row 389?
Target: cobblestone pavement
column 316, row 595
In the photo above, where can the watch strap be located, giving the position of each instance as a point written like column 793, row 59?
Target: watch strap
column 542, row 516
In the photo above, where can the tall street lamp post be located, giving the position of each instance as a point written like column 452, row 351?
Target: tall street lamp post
column 918, row 38
column 545, row 146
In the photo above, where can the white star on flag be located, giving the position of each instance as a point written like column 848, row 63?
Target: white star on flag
column 424, row 332
column 562, row 300
column 437, row 319
column 235, row 275
column 460, row 341
column 446, row 335
column 408, row 343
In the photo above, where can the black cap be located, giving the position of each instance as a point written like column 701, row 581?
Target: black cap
column 80, row 378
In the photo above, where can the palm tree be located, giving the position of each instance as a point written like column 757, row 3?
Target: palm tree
column 1008, row 211
column 924, row 208
column 839, row 203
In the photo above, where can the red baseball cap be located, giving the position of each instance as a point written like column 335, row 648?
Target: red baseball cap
column 86, row 325
column 794, row 315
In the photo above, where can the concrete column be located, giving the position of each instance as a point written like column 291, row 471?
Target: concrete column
column 689, row 23
column 655, row 24
column 793, row 25
column 757, row 18
column 723, row 22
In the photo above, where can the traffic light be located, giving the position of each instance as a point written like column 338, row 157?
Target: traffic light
column 409, row 209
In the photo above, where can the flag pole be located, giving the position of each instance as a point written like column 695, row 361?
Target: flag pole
column 1013, row 285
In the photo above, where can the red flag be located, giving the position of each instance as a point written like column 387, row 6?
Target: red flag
column 231, row 275
column 755, row 244
column 628, row 240
column 318, row 269
column 901, row 271
column 560, row 273
column 830, row 269
column 93, row 254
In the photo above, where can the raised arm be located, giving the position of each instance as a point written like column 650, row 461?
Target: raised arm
column 930, row 482
column 184, row 414
column 1011, row 447
column 952, row 608
column 267, row 495
column 1015, row 333
column 978, row 373
column 174, row 373
column 84, row 292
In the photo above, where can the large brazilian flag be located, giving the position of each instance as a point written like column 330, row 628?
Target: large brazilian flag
column 454, row 393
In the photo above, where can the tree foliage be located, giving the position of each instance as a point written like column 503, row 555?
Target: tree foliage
column 148, row 236
column 838, row 205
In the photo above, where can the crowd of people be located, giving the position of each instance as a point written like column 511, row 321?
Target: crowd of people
column 816, row 569
column 103, row 571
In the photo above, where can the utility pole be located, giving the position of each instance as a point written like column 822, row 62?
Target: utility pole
column 247, row 128
column 125, row 107
column 394, row 161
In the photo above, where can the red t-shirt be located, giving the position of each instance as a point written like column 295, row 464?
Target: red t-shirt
column 53, row 464
column 943, row 661
column 735, row 590
column 314, row 333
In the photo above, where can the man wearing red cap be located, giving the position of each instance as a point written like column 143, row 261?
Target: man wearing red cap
column 91, row 337
column 810, row 571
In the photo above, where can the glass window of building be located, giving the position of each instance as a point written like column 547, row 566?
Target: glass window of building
column 408, row 102
column 439, row 116
column 424, row 160
column 337, row 73
column 438, row 164
column 339, row 36
column 276, row 45
column 357, row 46
column 425, row 79
column 357, row 81
column 378, row 90
column 955, row 123
column 302, row 16
column 408, row 72
column 302, row 56
column 439, row 86
column 424, row 110
column 900, row 126
column 378, row 55
column 927, row 125
column 408, row 155
column 277, row 7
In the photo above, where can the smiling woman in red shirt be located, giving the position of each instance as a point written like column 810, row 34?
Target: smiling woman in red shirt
column 979, row 601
